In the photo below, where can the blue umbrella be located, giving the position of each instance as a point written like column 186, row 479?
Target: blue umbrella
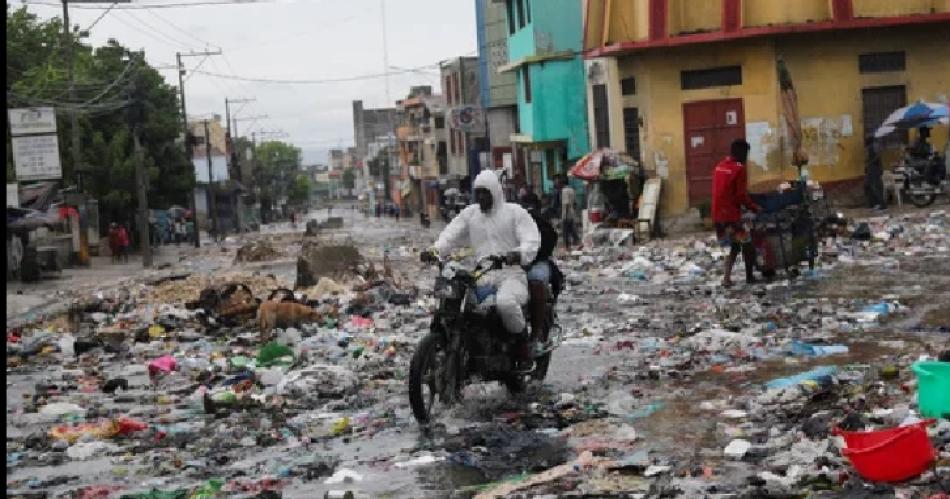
column 918, row 114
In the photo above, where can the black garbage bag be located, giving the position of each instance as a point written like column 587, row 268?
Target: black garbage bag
column 862, row 233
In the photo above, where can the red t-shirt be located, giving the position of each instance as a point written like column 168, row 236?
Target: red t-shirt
column 729, row 192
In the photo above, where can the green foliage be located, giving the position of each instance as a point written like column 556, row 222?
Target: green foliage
column 36, row 75
column 349, row 178
column 278, row 164
column 299, row 192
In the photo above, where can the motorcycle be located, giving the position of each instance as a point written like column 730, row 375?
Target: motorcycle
column 923, row 179
column 467, row 342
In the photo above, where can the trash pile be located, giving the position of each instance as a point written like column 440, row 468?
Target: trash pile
column 256, row 251
column 666, row 386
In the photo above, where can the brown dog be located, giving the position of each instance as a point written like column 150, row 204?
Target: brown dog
column 283, row 315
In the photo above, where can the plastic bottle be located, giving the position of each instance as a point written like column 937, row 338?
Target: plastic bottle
column 67, row 345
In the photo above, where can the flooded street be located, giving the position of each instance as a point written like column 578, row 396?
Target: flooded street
column 660, row 371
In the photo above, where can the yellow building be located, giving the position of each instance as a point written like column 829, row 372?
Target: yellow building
column 673, row 82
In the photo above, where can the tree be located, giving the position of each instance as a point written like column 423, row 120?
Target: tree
column 299, row 193
column 349, row 178
column 36, row 75
column 277, row 166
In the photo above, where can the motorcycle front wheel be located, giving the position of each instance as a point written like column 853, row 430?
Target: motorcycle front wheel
column 427, row 377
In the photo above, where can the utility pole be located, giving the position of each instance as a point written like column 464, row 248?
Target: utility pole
column 232, row 163
column 144, row 232
column 70, row 76
column 211, row 211
column 137, row 117
column 184, row 126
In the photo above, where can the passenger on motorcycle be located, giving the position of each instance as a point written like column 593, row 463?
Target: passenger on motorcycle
column 543, row 271
column 494, row 227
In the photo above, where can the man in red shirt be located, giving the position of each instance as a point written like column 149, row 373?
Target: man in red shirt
column 729, row 195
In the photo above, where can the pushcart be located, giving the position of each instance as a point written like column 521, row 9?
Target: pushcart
column 784, row 233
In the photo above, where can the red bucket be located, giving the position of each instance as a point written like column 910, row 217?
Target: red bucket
column 891, row 455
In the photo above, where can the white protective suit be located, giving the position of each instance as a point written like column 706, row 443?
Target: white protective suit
column 505, row 228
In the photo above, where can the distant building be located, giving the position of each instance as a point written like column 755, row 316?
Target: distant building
column 421, row 150
column 230, row 212
column 465, row 117
column 498, row 91
column 371, row 124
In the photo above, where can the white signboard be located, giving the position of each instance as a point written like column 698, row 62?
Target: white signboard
column 36, row 157
column 219, row 168
column 32, row 120
column 13, row 195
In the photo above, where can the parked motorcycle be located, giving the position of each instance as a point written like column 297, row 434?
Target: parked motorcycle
column 467, row 342
column 923, row 179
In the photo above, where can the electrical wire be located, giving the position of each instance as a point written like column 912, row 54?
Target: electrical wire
column 153, row 5
column 139, row 29
column 192, row 72
column 175, row 41
column 94, row 23
column 310, row 82
column 181, row 30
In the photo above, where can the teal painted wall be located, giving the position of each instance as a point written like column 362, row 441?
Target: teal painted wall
column 558, row 108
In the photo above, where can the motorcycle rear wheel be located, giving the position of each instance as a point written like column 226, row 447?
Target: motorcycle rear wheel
column 425, row 373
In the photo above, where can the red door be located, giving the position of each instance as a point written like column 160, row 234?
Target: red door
column 710, row 127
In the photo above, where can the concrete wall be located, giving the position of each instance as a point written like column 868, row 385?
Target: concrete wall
column 824, row 70
column 501, row 124
column 501, row 87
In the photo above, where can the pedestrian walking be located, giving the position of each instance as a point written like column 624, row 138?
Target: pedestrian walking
column 569, row 216
column 179, row 231
column 873, row 174
column 115, row 244
column 729, row 195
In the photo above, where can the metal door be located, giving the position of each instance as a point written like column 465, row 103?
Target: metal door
column 877, row 104
column 710, row 127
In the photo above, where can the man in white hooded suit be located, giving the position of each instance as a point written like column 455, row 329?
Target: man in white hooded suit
column 495, row 227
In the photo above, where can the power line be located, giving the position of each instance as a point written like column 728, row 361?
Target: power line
column 181, row 30
column 174, row 40
column 311, row 82
column 200, row 63
column 147, row 33
column 153, row 5
column 94, row 23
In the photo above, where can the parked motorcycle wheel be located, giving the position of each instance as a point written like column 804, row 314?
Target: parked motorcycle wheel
column 426, row 377
column 922, row 200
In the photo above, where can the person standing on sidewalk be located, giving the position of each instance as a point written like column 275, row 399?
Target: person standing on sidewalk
column 729, row 195
column 569, row 216
column 123, row 243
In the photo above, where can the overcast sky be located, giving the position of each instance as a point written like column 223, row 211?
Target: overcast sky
column 290, row 40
